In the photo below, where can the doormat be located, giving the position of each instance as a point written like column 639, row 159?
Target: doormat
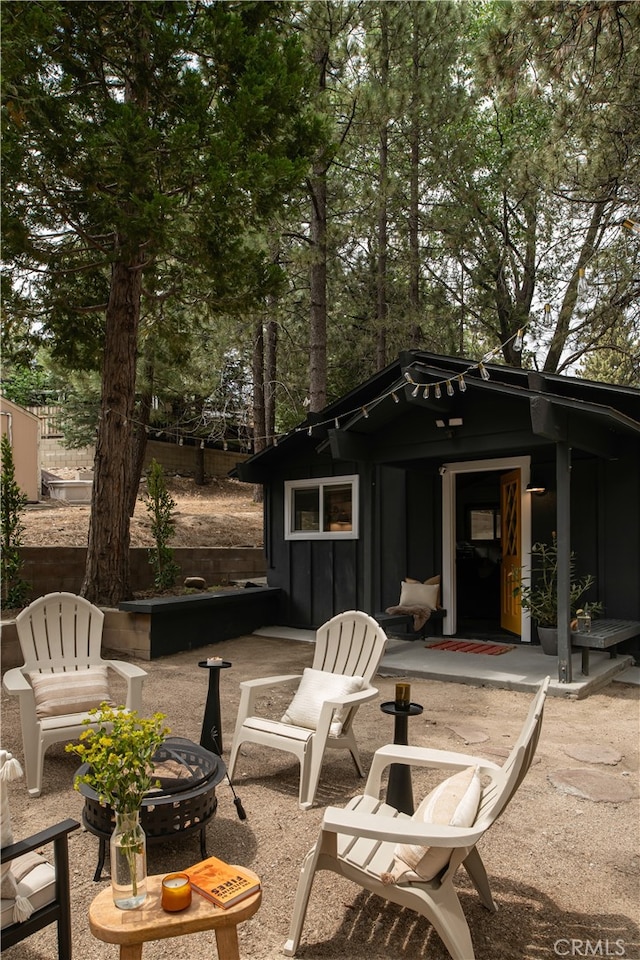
column 471, row 646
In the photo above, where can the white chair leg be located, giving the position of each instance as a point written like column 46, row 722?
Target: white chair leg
column 235, row 750
column 353, row 750
column 475, row 868
column 305, row 882
column 450, row 923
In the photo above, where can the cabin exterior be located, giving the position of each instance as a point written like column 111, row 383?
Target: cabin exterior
column 437, row 465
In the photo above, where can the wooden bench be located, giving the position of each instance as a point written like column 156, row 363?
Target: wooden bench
column 390, row 620
column 604, row 634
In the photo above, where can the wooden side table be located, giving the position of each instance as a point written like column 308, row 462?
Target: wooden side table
column 132, row 928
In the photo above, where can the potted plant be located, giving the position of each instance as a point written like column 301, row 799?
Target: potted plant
column 539, row 595
column 119, row 752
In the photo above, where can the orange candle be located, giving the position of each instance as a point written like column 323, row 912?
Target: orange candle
column 176, row 892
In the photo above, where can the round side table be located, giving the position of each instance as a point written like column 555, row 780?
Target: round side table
column 399, row 787
column 211, row 736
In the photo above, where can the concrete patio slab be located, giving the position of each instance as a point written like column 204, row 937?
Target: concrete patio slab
column 519, row 669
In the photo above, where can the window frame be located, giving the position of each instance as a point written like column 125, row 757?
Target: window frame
column 321, row 483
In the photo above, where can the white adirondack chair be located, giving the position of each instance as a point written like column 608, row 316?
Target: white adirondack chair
column 347, row 646
column 358, row 842
column 60, row 636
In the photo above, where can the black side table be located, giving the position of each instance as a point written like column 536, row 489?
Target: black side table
column 399, row 788
column 211, row 736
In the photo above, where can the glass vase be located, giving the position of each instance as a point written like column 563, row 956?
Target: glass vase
column 128, row 856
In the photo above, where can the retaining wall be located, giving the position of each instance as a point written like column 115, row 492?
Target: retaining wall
column 62, row 568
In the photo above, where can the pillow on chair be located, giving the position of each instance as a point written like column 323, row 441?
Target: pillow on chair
column 454, row 802
column 66, row 692
column 316, row 686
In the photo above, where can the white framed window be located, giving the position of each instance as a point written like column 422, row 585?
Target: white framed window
column 321, row 509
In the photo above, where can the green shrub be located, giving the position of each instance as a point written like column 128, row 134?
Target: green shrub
column 160, row 505
column 12, row 502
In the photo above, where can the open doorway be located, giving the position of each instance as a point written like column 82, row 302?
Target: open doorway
column 478, row 553
column 477, row 537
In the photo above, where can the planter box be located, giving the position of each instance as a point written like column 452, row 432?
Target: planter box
column 171, row 624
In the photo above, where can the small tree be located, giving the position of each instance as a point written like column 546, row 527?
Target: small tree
column 160, row 505
column 12, row 502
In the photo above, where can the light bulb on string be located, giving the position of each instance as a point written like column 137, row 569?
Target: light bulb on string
column 582, row 282
column 416, row 390
column 365, row 413
column 547, row 312
column 425, row 392
column 519, row 341
column 396, row 398
column 336, row 423
column 462, row 384
column 438, row 391
column 408, row 377
column 449, row 388
column 484, row 373
column 310, row 432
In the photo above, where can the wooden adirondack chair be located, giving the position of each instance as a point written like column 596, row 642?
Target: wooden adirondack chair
column 348, row 646
column 63, row 675
column 359, row 841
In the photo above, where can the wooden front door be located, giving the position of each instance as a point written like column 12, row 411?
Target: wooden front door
column 510, row 610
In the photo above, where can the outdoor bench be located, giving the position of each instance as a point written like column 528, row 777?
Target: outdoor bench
column 389, row 621
column 604, row 634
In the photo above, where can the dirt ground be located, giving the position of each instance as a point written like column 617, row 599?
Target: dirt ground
column 222, row 513
column 563, row 869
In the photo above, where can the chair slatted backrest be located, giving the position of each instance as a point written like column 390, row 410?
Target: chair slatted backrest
column 495, row 798
column 60, row 631
column 351, row 644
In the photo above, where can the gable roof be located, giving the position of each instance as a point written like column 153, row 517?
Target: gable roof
column 521, row 409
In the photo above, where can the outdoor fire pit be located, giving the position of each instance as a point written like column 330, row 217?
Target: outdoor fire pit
column 185, row 801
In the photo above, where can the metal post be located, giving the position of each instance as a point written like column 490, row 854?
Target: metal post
column 563, row 534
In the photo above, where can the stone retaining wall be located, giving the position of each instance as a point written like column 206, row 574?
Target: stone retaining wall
column 62, row 568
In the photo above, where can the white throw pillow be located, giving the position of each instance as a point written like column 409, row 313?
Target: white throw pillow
column 70, row 692
column 316, row 686
column 419, row 595
column 453, row 802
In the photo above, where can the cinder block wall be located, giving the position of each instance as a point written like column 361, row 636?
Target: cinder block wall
column 173, row 457
column 62, row 568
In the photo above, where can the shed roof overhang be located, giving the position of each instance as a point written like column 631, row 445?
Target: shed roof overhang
column 390, row 420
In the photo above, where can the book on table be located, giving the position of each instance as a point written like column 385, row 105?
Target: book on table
column 221, row 882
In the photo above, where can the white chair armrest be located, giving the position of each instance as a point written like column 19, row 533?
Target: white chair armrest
column 420, row 757
column 399, row 829
column 342, row 699
column 268, row 681
column 134, row 676
column 15, row 683
column 251, row 689
column 126, row 670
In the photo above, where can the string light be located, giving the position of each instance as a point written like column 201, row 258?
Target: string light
column 416, row 390
column 449, row 388
column 425, row 393
column 336, row 423
column 582, row 282
column 484, row 373
column 396, row 398
column 365, row 413
column 462, row 383
column 632, row 225
column 519, row 341
column 438, row 391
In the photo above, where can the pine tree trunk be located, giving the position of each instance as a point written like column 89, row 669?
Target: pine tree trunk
column 383, row 154
column 106, row 580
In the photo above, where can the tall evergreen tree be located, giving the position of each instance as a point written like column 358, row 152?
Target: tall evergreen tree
column 140, row 136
